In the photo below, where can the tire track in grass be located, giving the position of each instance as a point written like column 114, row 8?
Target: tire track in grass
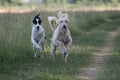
column 97, row 65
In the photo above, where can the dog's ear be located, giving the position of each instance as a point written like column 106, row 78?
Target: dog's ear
column 34, row 21
column 59, row 14
column 38, row 14
column 66, row 15
column 53, row 22
column 62, row 15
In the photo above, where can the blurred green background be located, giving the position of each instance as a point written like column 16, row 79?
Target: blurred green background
column 63, row 2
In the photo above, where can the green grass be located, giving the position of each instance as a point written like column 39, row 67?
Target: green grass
column 88, row 30
column 112, row 70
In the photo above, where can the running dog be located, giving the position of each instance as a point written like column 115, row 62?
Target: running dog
column 61, row 34
column 38, row 36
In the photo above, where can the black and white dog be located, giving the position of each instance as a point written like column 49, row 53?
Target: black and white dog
column 38, row 36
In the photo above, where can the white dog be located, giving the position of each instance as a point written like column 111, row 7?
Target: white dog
column 38, row 36
column 61, row 34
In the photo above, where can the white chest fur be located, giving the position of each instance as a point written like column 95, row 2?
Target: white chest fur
column 37, row 34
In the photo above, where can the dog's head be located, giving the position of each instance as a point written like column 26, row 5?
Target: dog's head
column 63, row 21
column 37, row 22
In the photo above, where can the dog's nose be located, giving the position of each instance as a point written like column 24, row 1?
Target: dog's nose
column 38, row 27
column 64, row 26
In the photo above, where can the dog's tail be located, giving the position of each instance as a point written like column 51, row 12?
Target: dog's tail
column 53, row 22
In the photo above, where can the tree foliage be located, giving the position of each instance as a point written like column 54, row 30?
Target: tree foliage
column 84, row 2
column 10, row 2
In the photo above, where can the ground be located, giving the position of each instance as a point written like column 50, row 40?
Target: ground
column 94, row 53
column 100, row 58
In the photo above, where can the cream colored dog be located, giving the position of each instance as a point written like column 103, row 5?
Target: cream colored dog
column 61, row 34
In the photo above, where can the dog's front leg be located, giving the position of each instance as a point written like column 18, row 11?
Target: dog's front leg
column 63, row 49
column 34, row 51
column 68, row 44
column 53, row 51
column 41, row 43
column 61, row 46
column 34, row 43
column 41, row 51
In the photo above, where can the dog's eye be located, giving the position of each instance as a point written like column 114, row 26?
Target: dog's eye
column 61, row 21
column 66, row 21
column 39, row 22
column 35, row 22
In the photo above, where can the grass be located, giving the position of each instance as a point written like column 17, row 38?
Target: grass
column 88, row 30
column 112, row 70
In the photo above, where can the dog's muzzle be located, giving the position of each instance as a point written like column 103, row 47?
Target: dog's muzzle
column 38, row 27
column 64, row 28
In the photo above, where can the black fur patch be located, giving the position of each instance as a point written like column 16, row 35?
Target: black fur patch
column 35, row 20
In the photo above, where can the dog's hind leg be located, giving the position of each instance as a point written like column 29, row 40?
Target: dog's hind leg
column 34, row 51
column 53, row 51
column 42, row 51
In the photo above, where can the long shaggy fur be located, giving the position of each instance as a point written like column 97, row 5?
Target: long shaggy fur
column 61, row 35
column 53, row 22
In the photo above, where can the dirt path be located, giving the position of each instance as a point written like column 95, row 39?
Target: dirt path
column 100, row 58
